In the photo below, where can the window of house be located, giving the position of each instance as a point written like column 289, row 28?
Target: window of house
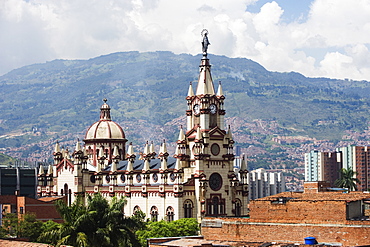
column 154, row 213
column 170, row 214
column 238, row 208
column 136, row 209
column 188, row 209
column 215, row 206
column 21, row 210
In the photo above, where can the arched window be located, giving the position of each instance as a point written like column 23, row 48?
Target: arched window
column 238, row 207
column 188, row 209
column 170, row 213
column 216, row 205
column 136, row 209
column 69, row 197
column 154, row 213
column 90, row 152
column 66, row 193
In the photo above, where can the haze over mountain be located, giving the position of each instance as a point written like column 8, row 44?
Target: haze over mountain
column 147, row 91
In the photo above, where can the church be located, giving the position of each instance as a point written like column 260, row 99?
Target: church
column 197, row 181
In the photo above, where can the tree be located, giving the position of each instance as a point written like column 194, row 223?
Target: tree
column 25, row 227
column 29, row 227
column 157, row 229
column 99, row 223
column 48, row 226
column 347, row 179
column 10, row 224
column 186, row 226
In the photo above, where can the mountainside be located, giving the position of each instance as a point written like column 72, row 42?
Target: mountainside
column 147, row 91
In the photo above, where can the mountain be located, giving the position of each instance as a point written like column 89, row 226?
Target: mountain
column 6, row 161
column 146, row 91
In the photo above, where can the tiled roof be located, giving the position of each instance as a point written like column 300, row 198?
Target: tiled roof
column 12, row 243
column 8, row 199
column 50, row 198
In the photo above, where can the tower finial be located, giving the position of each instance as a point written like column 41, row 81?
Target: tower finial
column 105, row 111
column 205, row 42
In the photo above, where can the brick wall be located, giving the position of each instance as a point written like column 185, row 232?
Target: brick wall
column 315, row 186
column 43, row 210
column 290, row 217
column 248, row 230
column 299, row 211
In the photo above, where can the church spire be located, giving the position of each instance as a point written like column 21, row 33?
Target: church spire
column 220, row 92
column 243, row 165
column 57, row 148
column 105, row 111
column 130, row 150
column 205, row 83
column 191, row 90
column 41, row 170
column 50, row 170
column 78, row 145
column 229, row 134
column 181, row 135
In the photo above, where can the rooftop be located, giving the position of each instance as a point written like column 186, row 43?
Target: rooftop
column 321, row 196
column 50, row 198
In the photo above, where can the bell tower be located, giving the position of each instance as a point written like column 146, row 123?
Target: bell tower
column 209, row 148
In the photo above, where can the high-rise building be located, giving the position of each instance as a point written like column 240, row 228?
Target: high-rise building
column 358, row 158
column 198, row 180
column 18, row 181
column 323, row 166
column 262, row 183
column 326, row 166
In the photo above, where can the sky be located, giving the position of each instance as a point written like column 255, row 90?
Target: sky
column 317, row 38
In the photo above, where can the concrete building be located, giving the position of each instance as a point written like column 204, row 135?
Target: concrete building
column 334, row 218
column 197, row 181
column 326, row 166
column 323, row 166
column 18, row 181
column 358, row 158
column 262, row 183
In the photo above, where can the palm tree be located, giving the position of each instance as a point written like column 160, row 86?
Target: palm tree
column 108, row 225
column 347, row 179
column 99, row 223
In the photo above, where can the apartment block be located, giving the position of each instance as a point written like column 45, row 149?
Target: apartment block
column 262, row 183
column 323, row 166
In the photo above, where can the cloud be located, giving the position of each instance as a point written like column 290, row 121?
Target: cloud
column 333, row 41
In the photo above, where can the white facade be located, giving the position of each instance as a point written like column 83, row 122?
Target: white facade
column 313, row 166
column 348, row 156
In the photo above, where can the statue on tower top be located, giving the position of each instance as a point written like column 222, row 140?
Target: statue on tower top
column 205, row 42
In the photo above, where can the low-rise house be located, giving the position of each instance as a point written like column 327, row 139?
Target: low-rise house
column 43, row 208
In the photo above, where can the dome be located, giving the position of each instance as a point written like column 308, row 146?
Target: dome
column 105, row 128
